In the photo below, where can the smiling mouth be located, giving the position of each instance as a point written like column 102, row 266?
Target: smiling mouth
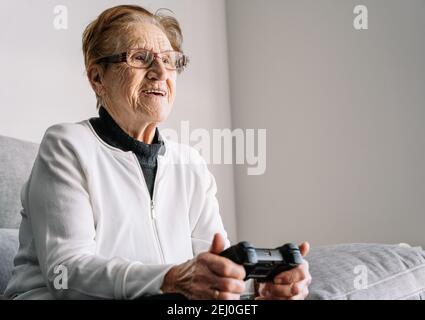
column 154, row 92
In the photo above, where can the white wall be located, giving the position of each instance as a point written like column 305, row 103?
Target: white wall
column 43, row 81
column 344, row 111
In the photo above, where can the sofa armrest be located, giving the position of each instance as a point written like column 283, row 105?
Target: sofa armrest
column 367, row 271
column 8, row 248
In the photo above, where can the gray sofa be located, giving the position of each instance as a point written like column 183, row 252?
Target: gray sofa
column 345, row 271
column 16, row 160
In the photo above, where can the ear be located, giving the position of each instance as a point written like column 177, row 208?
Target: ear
column 95, row 75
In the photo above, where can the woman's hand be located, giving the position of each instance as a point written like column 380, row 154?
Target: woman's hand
column 207, row 276
column 288, row 285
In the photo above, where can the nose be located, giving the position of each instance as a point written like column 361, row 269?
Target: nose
column 157, row 70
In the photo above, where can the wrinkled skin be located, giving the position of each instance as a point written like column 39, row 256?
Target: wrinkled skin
column 208, row 275
column 120, row 86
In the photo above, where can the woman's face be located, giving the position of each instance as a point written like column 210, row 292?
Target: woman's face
column 125, row 87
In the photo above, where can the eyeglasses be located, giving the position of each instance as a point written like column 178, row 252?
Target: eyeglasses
column 143, row 59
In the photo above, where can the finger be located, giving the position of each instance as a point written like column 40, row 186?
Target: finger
column 309, row 279
column 229, row 285
column 296, row 274
column 301, row 296
column 224, row 267
column 287, row 290
column 218, row 244
column 267, row 295
column 218, row 295
column 304, row 248
column 229, row 296
column 307, row 265
column 300, row 287
column 276, row 290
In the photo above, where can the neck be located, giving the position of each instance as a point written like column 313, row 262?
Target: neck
column 136, row 128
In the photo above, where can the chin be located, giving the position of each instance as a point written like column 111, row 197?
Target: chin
column 160, row 115
column 163, row 112
column 157, row 113
column 161, row 118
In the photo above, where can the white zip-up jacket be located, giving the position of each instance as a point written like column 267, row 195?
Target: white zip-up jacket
column 89, row 227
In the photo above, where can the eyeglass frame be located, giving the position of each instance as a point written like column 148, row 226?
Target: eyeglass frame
column 123, row 57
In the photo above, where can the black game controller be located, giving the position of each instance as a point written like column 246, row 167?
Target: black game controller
column 264, row 264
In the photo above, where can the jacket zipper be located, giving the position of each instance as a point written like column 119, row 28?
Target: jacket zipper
column 152, row 209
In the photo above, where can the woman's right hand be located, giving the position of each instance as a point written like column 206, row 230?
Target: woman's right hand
column 207, row 276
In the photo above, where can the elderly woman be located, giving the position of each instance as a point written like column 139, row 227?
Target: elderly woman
column 112, row 209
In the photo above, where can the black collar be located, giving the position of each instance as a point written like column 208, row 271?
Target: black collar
column 110, row 132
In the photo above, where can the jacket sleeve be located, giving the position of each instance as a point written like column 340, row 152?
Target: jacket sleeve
column 204, row 208
column 64, row 232
column 205, row 214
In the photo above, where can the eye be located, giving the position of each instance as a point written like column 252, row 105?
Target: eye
column 166, row 60
column 140, row 56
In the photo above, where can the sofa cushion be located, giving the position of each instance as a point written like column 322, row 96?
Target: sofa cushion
column 367, row 271
column 8, row 249
column 16, row 160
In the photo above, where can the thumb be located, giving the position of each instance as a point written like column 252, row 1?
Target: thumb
column 217, row 245
column 304, row 248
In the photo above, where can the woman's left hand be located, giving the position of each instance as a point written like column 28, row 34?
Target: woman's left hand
column 288, row 285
